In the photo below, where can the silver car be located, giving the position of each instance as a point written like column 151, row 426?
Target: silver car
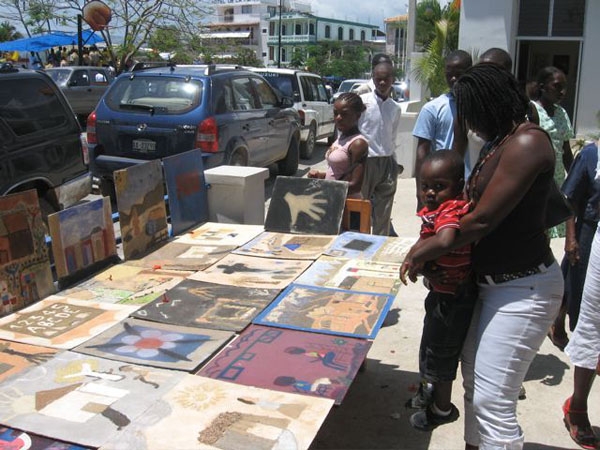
column 82, row 85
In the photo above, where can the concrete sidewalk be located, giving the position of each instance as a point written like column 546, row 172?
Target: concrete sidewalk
column 373, row 415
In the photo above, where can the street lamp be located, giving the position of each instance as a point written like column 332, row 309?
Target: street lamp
column 279, row 38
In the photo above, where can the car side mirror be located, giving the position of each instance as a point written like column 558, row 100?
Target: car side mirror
column 287, row 102
column 296, row 97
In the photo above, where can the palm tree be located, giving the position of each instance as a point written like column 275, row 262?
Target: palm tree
column 8, row 32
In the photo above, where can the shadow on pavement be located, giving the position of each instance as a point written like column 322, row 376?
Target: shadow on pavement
column 549, row 369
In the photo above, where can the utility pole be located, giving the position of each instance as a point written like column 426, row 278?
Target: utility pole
column 279, row 37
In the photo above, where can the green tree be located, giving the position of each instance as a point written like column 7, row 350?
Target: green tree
column 245, row 56
column 428, row 13
column 8, row 32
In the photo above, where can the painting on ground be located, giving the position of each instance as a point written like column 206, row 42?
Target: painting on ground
column 228, row 234
column 287, row 245
column 211, row 414
column 11, row 439
column 15, row 358
column 394, row 249
column 325, row 310
column 208, row 305
column 83, row 236
column 25, row 275
column 253, row 272
column 177, row 256
column 156, row 344
column 60, row 322
column 142, row 211
column 300, row 362
column 186, row 188
column 126, row 284
column 82, row 399
column 306, row 205
column 351, row 244
column 353, row 275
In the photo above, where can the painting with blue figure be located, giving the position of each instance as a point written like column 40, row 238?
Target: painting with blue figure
column 186, row 188
column 353, row 245
column 156, row 344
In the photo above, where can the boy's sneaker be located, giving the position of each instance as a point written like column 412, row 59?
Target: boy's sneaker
column 427, row 420
column 423, row 398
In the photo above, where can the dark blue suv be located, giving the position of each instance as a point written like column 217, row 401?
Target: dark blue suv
column 233, row 115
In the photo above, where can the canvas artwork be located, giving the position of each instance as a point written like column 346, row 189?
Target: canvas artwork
column 25, row 275
column 203, row 413
column 291, row 361
column 186, row 188
column 394, row 249
column 353, row 275
column 12, row 439
column 326, row 310
column 82, row 399
column 217, row 234
column 82, row 237
column 176, row 256
column 208, row 305
column 15, row 358
column 286, row 245
column 142, row 211
column 353, row 245
column 60, row 322
column 252, row 272
column 306, row 205
column 156, row 344
column 126, row 284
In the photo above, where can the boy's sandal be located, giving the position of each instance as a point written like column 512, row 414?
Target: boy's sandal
column 582, row 435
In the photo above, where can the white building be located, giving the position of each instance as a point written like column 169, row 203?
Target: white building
column 538, row 33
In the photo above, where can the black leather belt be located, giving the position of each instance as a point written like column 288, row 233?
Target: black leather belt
column 497, row 278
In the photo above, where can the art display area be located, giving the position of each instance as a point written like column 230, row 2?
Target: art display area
column 216, row 336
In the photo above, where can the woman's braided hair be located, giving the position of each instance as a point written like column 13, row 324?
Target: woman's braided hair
column 353, row 100
column 488, row 99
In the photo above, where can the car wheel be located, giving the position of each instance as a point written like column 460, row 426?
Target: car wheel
column 308, row 146
column 289, row 165
column 107, row 189
column 238, row 157
column 46, row 208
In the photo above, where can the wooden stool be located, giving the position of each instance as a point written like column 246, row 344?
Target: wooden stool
column 363, row 208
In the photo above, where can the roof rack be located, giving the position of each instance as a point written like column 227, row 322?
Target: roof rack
column 151, row 65
column 8, row 67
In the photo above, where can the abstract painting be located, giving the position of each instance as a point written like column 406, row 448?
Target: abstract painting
column 208, row 305
column 325, row 310
column 16, row 440
column 60, row 322
column 228, row 234
column 126, row 284
column 353, row 275
column 15, row 358
column 394, row 249
column 203, row 413
column 353, row 245
column 82, row 399
column 83, row 236
column 177, row 256
column 142, row 211
column 306, row 205
column 252, row 272
column 287, row 245
column 290, row 361
column 25, row 275
column 156, row 344
column 186, row 188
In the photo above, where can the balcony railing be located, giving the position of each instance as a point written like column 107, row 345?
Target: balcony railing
column 292, row 39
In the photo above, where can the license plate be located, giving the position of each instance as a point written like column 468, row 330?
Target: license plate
column 144, row 145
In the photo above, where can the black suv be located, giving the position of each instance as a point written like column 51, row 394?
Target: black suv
column 40, row 140
column 233, row 115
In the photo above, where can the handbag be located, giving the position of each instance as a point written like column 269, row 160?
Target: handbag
column 558, row 207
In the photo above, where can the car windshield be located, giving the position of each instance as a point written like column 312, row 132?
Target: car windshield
column 281, row 82
column 158, row 95
column 59, row 75
column 346, row 85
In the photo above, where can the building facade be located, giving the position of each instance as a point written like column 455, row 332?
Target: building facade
column 396, row 39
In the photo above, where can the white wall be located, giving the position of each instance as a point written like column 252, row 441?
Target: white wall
column 589, row 92
column 406, row 155
column 487, row 23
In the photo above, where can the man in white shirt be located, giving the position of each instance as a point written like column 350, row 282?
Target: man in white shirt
column 379, row 123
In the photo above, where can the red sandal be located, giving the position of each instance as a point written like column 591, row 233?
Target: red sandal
column 582, row 435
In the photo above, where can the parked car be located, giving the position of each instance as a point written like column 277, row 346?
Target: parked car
column 311, row 100
column 82, row 85
column 233, row 115
column 40, row 140
column 347, row 85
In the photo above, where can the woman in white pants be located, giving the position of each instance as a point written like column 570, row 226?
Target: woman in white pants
column 520, row 282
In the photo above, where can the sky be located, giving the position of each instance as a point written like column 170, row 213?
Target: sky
column 363, row 11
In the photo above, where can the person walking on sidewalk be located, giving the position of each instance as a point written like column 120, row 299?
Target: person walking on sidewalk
column 520, row 283
column 449, row 305
column 379, row 125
